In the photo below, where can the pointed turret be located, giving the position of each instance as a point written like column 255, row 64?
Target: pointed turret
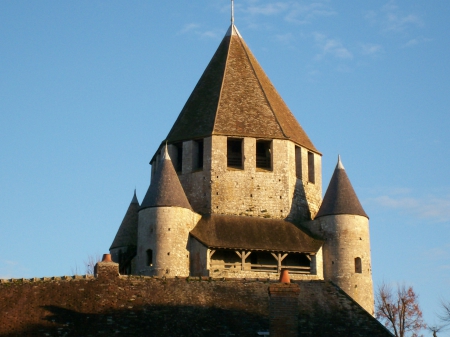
column 165, row 188
column 165, row 219
column 340, row 197
column 344, row 226
column 234, row 97
column 127, row 233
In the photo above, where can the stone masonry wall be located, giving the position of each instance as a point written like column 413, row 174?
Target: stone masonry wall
column 165, row 230
column 259, row 192
column 346, row 238
column 269, row 193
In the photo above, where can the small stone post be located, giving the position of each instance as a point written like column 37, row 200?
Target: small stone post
column 106, row 269
column 284, row 308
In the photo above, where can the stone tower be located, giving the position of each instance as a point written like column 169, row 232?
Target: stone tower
column 165, row 220
column 236, row 190
column 123, row 248
column 344, row 225
column 236, row 146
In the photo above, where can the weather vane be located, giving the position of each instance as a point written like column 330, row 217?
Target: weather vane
column 232, row 12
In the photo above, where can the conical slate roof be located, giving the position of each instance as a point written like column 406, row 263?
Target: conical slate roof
column 165, row 188
column 127, row 233
column 340, row 197
column 234, row 97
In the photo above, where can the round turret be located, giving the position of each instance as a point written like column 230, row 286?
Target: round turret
column 344, row 226
column 165, row 219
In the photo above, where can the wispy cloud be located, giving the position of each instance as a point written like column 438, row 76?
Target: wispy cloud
column 303, row 14
column 391, row 18
column 333, row 47
column 189, row 28
column 285, row 38
column 293, row 11
column 415, row 41
column 7, row 269
column 267, row 9
column 438, row 253
column 371, row 49
column 436, row 209
column 194, row 28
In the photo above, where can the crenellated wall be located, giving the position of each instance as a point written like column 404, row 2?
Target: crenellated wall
column 152, row 306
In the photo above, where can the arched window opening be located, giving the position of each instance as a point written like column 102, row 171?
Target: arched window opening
column 311, row 168
column 197, row 152
column 149, row 257
column 234, row 153
column 358, row 265
column 263, row 154
column 298, row 162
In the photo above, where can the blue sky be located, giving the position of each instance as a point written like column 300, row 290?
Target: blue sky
column 89, row 89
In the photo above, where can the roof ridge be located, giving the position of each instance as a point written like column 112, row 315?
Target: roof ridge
column 223, row 79
column 261, row 87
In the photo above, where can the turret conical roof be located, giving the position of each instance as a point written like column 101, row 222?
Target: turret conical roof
column 340, row 197
column 127, row 233
column 165, row 188
column 234, row 97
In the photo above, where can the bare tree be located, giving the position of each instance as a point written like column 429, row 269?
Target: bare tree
column 90, row 263
column 399, row 310
column 444, row 317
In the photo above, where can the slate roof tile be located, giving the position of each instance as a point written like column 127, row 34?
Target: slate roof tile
column 234, row 97
column 340, row 197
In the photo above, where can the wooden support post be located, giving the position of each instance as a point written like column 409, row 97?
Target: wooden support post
column 244, row 257
column 279, row 259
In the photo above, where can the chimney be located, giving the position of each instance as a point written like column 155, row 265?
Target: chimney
column 284, row 309
column 106, row 269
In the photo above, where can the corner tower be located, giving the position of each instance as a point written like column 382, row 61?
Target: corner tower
column 236, row 146
column 344, row 225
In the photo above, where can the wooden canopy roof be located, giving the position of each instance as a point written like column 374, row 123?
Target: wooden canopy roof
column 253, row 233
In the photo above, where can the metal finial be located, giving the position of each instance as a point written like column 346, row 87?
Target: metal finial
column 232, row 12
column 339, row 164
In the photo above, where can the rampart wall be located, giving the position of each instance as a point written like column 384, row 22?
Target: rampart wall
column 146, row 306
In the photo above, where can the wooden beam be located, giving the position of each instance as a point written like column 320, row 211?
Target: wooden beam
column 211, row 252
